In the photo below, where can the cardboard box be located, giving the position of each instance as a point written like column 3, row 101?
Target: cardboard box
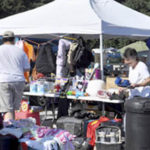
column 110, row 82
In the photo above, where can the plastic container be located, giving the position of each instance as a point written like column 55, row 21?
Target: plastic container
column 137, row 124
column 40, row 87
column 46, row 86
column 33, row 87
column 97, row 74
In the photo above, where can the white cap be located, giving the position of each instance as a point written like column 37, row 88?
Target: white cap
column 8, row 34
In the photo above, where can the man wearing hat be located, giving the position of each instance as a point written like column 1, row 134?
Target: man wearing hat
column 13, row 64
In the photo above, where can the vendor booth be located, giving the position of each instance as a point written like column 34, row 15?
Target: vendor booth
column 78, row 21
column 66, row 76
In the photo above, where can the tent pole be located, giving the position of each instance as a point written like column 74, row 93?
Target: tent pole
column 101, row 56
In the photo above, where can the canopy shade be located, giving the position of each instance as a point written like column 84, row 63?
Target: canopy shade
column 121, row 20
column 77, row 17
column 57, row 17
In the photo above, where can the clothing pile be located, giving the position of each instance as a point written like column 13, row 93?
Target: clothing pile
column 38, row 137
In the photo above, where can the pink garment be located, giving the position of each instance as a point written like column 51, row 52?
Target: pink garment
column 60, row 134
column 42, row 131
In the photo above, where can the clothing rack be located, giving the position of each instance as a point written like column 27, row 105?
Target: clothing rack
column 49, row 41
column 70, row 38
column 39, row 44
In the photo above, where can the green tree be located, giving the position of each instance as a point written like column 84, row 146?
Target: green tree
column 142, row 6
column 11, row 7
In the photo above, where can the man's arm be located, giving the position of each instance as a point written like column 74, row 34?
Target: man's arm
column 26, row 64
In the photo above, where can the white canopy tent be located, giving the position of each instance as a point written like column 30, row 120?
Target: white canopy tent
column 77, row 17
column 57, row 17
column 120, row 20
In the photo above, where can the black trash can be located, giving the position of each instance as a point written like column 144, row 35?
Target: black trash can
column 8, row 142
column 137, row 124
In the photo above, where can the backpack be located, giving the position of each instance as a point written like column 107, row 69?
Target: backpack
column 78, row 55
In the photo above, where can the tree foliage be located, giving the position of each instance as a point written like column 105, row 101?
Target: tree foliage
column 142, row 6
column 10, row 7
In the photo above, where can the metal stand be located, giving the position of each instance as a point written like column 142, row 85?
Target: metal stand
column 45, row 109
column 53, row 108
column 103, row 109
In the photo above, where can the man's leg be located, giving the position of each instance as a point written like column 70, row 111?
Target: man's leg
column 6, row 98
column 18, row 88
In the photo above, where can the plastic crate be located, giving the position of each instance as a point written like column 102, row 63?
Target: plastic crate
column 27, row 114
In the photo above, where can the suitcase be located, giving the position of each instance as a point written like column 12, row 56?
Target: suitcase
column 71, row 124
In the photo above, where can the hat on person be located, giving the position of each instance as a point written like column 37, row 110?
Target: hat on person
column 8, row 34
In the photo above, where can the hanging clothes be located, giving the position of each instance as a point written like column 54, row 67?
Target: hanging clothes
column 63, row 46
column 46, row 61
column 29, row 50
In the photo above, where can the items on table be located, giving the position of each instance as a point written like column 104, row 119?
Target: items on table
column 122, row 83
column 92, row 73
column 41, row 86
column 94, row 86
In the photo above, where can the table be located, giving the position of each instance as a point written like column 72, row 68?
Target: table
column 85, row 98
column 44, row 96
